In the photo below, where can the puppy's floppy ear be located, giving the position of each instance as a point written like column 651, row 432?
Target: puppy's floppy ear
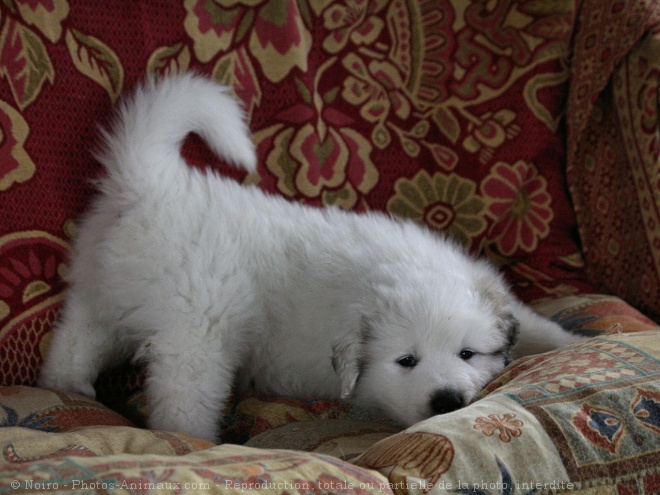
column 510, row 327
column 348, row 360
column 493, row 290
column 344, row 361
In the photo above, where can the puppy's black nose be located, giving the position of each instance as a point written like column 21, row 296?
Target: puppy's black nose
column 445, row 401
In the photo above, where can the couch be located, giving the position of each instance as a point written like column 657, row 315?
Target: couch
column 526, row 130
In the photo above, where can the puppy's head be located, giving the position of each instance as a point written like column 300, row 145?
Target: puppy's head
column 425, row 347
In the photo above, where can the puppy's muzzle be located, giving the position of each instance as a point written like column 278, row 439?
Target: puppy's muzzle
column 444, row 401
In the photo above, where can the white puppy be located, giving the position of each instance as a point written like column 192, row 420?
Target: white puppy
column 209, row 282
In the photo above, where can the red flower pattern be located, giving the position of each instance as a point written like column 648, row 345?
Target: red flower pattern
column 519, row 204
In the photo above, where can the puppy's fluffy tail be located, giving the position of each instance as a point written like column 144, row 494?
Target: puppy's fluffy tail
column 142, row 150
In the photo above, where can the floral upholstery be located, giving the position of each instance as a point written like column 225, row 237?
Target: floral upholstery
column 528, row 131
column 613, row 115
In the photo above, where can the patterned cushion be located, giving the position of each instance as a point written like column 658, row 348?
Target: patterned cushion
column 584, row 418
column 343, row 438
column 74, row 463
column 52, row 410
column 594, row 314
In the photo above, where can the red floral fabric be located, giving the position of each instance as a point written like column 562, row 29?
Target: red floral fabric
column 447, row 112
column 614, row 147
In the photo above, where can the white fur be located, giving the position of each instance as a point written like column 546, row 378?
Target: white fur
column 208, row 281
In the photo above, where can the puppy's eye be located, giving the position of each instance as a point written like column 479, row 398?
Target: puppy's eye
column 407, row 362
column 466, row 354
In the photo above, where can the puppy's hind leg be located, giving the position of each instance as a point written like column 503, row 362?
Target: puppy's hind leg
column 538, row 334
column 81, row 346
